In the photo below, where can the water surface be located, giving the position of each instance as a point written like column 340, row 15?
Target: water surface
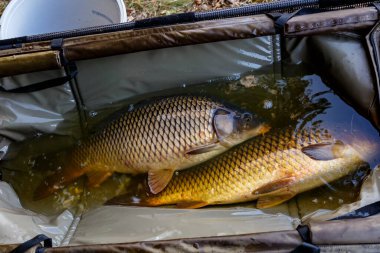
column 302, row 101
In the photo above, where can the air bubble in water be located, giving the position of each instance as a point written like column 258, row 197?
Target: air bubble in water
column 31, row 162
column 93, row 114
column 37, row 134
column 268, row 104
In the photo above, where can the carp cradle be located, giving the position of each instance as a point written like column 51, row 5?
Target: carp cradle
column 61, row 75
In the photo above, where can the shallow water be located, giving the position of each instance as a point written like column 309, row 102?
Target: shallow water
column 298, row 102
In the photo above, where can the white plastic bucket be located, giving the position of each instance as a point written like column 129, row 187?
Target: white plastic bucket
column 30, row 17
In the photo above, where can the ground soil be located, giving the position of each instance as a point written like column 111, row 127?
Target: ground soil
column 140, row 9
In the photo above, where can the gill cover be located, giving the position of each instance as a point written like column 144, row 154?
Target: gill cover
column 224, row 123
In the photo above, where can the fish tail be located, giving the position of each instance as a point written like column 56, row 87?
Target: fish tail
column 137, row 194
column 57, row 181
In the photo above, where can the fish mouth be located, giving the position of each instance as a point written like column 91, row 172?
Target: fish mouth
column 237, row 138
column 261, row 129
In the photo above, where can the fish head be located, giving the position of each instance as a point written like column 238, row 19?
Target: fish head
column 233, row 126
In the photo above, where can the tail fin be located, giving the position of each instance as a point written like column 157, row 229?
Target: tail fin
column 58, row 181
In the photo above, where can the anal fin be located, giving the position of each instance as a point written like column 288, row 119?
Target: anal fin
column 159, row 179
column 191, row 204
column 274, row 185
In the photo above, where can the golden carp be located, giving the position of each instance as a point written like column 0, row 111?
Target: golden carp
column 271, row 169
column 157, row 137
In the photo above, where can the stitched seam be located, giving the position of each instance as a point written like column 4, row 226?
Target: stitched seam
column 331, row 23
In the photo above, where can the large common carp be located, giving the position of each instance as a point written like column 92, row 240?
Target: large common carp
column 271, row 169
column 157, row 137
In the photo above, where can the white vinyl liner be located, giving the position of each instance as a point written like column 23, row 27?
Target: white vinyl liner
column 122, row 224
column 24, row 224
column 112, row 222
column 124, row 76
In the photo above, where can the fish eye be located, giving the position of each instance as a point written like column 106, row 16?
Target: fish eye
column 247, row 117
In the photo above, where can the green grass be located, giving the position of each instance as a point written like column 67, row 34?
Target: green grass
column 139, row 9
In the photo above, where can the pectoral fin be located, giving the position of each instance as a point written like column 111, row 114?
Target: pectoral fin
column 324, row 151
column 275, row 198
column 97, row 177
column 225, row 143
column 274, row 185
column 159, row 179
column 275, row 192
column 202, row 149
column 191, row 204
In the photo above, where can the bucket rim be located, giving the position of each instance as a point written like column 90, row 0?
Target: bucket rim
column 8, row 13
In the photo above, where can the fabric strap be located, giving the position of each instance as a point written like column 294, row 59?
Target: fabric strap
column 362, row 212
column 377, row 6
column 304, row 232
column 36, row 241
column 70, row 69
column 41, row 85
column 280, row 19
column 306, row 248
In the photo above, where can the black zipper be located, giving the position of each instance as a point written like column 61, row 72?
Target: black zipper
column 276, row 6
